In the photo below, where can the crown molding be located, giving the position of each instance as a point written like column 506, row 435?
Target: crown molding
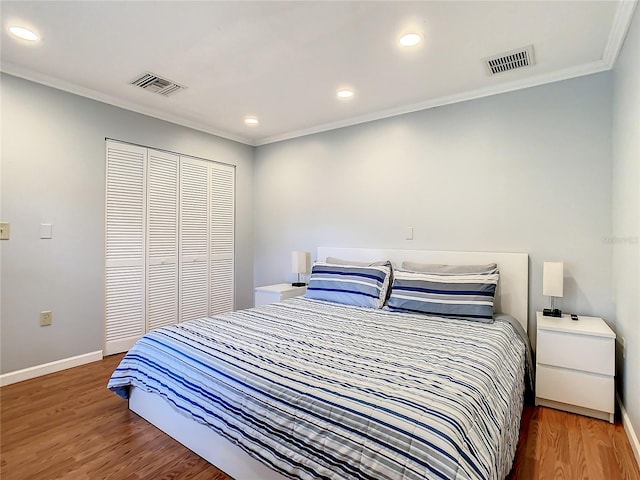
column 521, row 84
column 621, row 22
column 565, row 74
column 52, row 82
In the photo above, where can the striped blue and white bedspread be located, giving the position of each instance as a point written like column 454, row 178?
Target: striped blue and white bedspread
column 320, row 390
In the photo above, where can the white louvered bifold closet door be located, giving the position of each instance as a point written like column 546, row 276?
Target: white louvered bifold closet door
column 162, row 239
column 194, row 238
column 169, row 241
column 124, row 246
column 222, row 212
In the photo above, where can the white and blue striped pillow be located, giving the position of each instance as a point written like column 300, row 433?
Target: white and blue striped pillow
column 467, row 296
column 350, row 284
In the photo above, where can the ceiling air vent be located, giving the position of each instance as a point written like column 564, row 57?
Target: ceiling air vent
column 522, row 57
column 156, row 84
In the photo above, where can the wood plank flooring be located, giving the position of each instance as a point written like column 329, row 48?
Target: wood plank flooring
column 560, row 445
column 67, row 425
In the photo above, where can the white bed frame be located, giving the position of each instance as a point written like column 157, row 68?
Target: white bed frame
column 512, row 298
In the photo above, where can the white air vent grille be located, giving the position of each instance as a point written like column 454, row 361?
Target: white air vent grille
column 522, row 57
column 156, row 84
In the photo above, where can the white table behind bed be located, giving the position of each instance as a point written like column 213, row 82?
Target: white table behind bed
column 512, row 298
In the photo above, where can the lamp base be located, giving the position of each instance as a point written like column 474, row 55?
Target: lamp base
column 556, row 312
column 298, row 284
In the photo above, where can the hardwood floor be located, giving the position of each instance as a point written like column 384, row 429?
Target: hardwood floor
column 559, row 445
column 67, row 425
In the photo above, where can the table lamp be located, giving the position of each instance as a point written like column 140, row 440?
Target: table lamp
column 552, row 286
column 300, row 264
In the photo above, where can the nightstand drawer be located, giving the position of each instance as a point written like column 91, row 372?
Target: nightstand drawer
column 580, row 352
column 575, row 388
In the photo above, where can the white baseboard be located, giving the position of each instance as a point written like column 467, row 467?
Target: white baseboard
column 45, row 369
column 631, row 434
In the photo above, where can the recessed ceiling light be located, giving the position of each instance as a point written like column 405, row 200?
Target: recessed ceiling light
column 24, row 33
column 344, row 93
column 251, row 121
column 410, row 40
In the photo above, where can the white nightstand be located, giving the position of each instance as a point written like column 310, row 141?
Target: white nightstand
column 276, row 293
column 575, row 365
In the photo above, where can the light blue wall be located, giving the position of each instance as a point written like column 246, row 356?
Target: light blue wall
column 527, row 171
column 53, row 171
column 626, row 217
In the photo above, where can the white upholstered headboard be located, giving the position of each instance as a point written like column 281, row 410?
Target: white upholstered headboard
column 513, row 288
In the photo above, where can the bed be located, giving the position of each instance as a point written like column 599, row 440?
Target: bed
column 308, row 388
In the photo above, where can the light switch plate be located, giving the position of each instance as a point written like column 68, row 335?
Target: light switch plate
column 408, row 234
column 4, row 230
column 46, row 230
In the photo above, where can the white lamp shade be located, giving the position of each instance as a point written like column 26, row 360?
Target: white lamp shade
column 553, row 279
column 300, row 262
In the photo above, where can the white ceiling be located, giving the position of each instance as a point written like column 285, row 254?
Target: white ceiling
column 283, row 61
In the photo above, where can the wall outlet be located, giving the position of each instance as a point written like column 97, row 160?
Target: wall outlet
column 46, row 318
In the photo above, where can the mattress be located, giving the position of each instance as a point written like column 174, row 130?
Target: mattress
column 321, row 390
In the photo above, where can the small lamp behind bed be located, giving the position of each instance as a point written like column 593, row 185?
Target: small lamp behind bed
column 300, row 263
column 552, row 286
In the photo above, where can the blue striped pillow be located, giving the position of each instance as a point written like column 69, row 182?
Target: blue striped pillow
column 467, row 296
column 350, row 284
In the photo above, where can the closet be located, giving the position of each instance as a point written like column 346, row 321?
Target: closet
column 169, row 241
